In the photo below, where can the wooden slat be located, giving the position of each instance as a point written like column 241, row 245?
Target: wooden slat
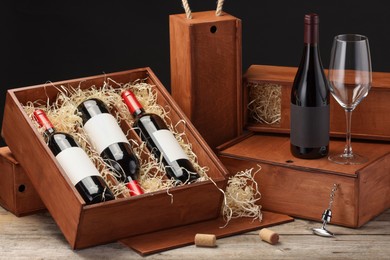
column 275, row 149
column 181, row 236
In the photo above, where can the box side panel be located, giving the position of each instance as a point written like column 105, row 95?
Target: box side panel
column 30, row 150
column 7, row 195
column 299, row 193
column 213, row 47
column 181, row 63
column 374, row 189
column 216, row 65
column 27, row 198
column 148, row 213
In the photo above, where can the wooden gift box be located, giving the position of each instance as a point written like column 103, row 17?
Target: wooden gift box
column 301, row 188
column 206, row 72
column 17, row 194
column 88, row 225
column 370, row 119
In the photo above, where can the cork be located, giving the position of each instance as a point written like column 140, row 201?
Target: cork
column 205, row 240
column 269, row 236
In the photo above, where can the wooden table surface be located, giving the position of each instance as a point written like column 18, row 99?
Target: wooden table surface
column 38, row 237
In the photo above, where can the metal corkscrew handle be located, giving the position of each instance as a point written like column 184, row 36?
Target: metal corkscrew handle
column 327, row 216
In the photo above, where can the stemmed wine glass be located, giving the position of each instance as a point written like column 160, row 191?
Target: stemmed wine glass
column 350, row 77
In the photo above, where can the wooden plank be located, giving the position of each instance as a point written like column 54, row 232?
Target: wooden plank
column 181, row 236
column 275, row 149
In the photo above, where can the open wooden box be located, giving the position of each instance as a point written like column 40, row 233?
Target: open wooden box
column 370, row 119
column 301, row 188
column 88, row 225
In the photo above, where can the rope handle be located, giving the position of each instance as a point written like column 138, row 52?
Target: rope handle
column 187, row 9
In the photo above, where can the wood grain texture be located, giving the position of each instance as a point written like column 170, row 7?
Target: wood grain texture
column 17, row 193
column 38, row 237
column 370, row 119
column 184, row 235
column 206, row 73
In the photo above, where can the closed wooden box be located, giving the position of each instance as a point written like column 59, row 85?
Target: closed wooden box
column 88, row 225
column 370, row 119
column 301, row 188
column 17, row 194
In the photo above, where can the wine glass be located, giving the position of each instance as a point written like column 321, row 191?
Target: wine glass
column 350, row 77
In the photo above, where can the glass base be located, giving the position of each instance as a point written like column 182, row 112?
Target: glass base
column 347, row 159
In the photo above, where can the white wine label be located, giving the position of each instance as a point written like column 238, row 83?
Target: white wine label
column 76, row 164
column 168, row 145
column 103, row 130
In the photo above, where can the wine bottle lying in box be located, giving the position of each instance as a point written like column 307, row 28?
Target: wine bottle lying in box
column 160, row 141
column 75, row 162
column 108, row 139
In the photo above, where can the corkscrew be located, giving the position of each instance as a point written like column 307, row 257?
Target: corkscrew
column 326, row 216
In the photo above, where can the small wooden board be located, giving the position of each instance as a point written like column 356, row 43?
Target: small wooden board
column 181, row 236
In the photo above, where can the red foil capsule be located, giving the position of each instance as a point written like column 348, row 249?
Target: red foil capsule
column 42, row 119
column 131, row 102
column 135, row 188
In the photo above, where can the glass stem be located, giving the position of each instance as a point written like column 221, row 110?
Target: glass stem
column 348, row 146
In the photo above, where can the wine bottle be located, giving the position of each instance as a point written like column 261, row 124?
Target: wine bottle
column 309, row 109
column 108, row 139
column 160, row 141
column 75, row 163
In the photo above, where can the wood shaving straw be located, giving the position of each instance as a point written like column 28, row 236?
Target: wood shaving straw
column 242, row 193
column 265, row 102
column 62, row 114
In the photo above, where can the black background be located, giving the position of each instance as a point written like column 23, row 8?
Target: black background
column 44, row 40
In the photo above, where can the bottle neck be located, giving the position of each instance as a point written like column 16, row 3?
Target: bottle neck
column 44, row 122
column 90, row 108
column 132, row 103
column 311, row 34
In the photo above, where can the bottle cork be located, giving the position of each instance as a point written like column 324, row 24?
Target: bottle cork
column 269, row 236
column 205, row 240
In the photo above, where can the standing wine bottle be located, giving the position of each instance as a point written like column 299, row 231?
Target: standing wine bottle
column 309, row 108
column 75, row 163
column 110, row 142
column 160, row 141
